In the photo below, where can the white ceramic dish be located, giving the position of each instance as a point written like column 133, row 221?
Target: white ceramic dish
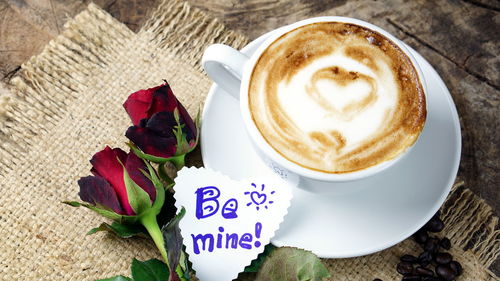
column 376, row 212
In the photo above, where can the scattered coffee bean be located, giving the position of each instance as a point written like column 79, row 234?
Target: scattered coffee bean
column 412, row 278
column 404, row 268
column 443, row 258
column 437, row 214
column 431, row 245
column 422, row 271
column 456, row 267
column 376, row 279
column 434, row 225
column 409, row 258
column 425, row 259
column 428, row 278
column 421, row 236
column 445, row 243
column 442, row 263
column 445, row 272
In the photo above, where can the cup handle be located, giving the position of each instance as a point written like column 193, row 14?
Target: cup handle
column 224, row 65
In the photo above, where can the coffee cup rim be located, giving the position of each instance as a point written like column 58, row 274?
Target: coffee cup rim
column 275, row 156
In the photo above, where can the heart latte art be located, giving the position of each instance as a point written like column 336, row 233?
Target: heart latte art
column 336, row 97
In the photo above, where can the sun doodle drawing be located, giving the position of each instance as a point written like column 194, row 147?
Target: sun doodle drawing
column 260, row 198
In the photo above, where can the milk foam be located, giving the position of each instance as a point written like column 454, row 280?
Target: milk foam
column 310, row 116
column 336, row 98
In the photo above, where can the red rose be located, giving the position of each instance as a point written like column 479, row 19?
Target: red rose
column 126, row 189
column 119, row 183
column 163, row 130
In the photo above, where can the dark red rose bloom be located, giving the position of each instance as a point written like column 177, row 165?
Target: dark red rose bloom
column 162, row 127
column 115, row 173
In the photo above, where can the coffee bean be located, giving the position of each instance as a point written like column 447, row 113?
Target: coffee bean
column 420, row 236
column 445, row 272
column 446, row 268
column 376, row 279
column 412, row 278
column 445, row 243
column 425, row 259
column 434, row 225
column 404, row 268
column 409, row 258
column 437, row 214
column 431, row 245
column 456, row 267
column 429, row 278
column 443, row 258
column 422, row 271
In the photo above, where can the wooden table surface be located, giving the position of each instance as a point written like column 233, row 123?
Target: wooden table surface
column 460, row 38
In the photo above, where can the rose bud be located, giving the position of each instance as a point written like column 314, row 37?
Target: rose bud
column 163, row 130
column 123, row 188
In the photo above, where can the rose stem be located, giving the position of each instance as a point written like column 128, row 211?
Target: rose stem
column 178, row 161
column 151, row 225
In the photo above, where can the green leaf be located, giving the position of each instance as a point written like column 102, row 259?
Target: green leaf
column 117, row 278
column 177, row 160
column 105, row 213
column 145, row 156
column 138, row 198
column 197, row 123
column 160, row 191
column 150, row 270
column 173, row 240
column 257, row 263
column 152, row 174
column 292, row 264
column 168, row 210
column 179, row 136
column 72, row 203
column 185, row 263
column 121, row 230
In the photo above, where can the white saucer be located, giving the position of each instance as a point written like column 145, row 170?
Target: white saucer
column 381, row 211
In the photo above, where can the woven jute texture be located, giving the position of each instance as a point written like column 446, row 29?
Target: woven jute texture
column 66, row 104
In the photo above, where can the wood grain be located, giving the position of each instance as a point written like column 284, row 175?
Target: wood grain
column 460, row 38
column 27, row 25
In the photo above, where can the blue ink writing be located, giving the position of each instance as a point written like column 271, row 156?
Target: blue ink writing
column 208, row 243
column 244, row 241
column 229, row 209
column 219, row 237
column 258, row 229
column 207, row 203
column 259, row 198
column 204, row 239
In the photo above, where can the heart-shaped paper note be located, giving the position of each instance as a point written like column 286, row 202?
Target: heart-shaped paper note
column 227, row 222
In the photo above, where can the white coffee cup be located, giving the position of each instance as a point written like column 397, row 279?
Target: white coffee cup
column 232, row 70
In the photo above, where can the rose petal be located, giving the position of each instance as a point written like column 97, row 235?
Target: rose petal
column 105, row 164
column 190, row 128
column 138, row 104
column 96, row 190
column 162, row 123
column 151, row 143
column 134, row 165
column 163, row 100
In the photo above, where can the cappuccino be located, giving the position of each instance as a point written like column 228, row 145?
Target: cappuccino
column 336, row 97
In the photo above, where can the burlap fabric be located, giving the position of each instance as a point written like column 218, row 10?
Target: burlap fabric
column 66, row 104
